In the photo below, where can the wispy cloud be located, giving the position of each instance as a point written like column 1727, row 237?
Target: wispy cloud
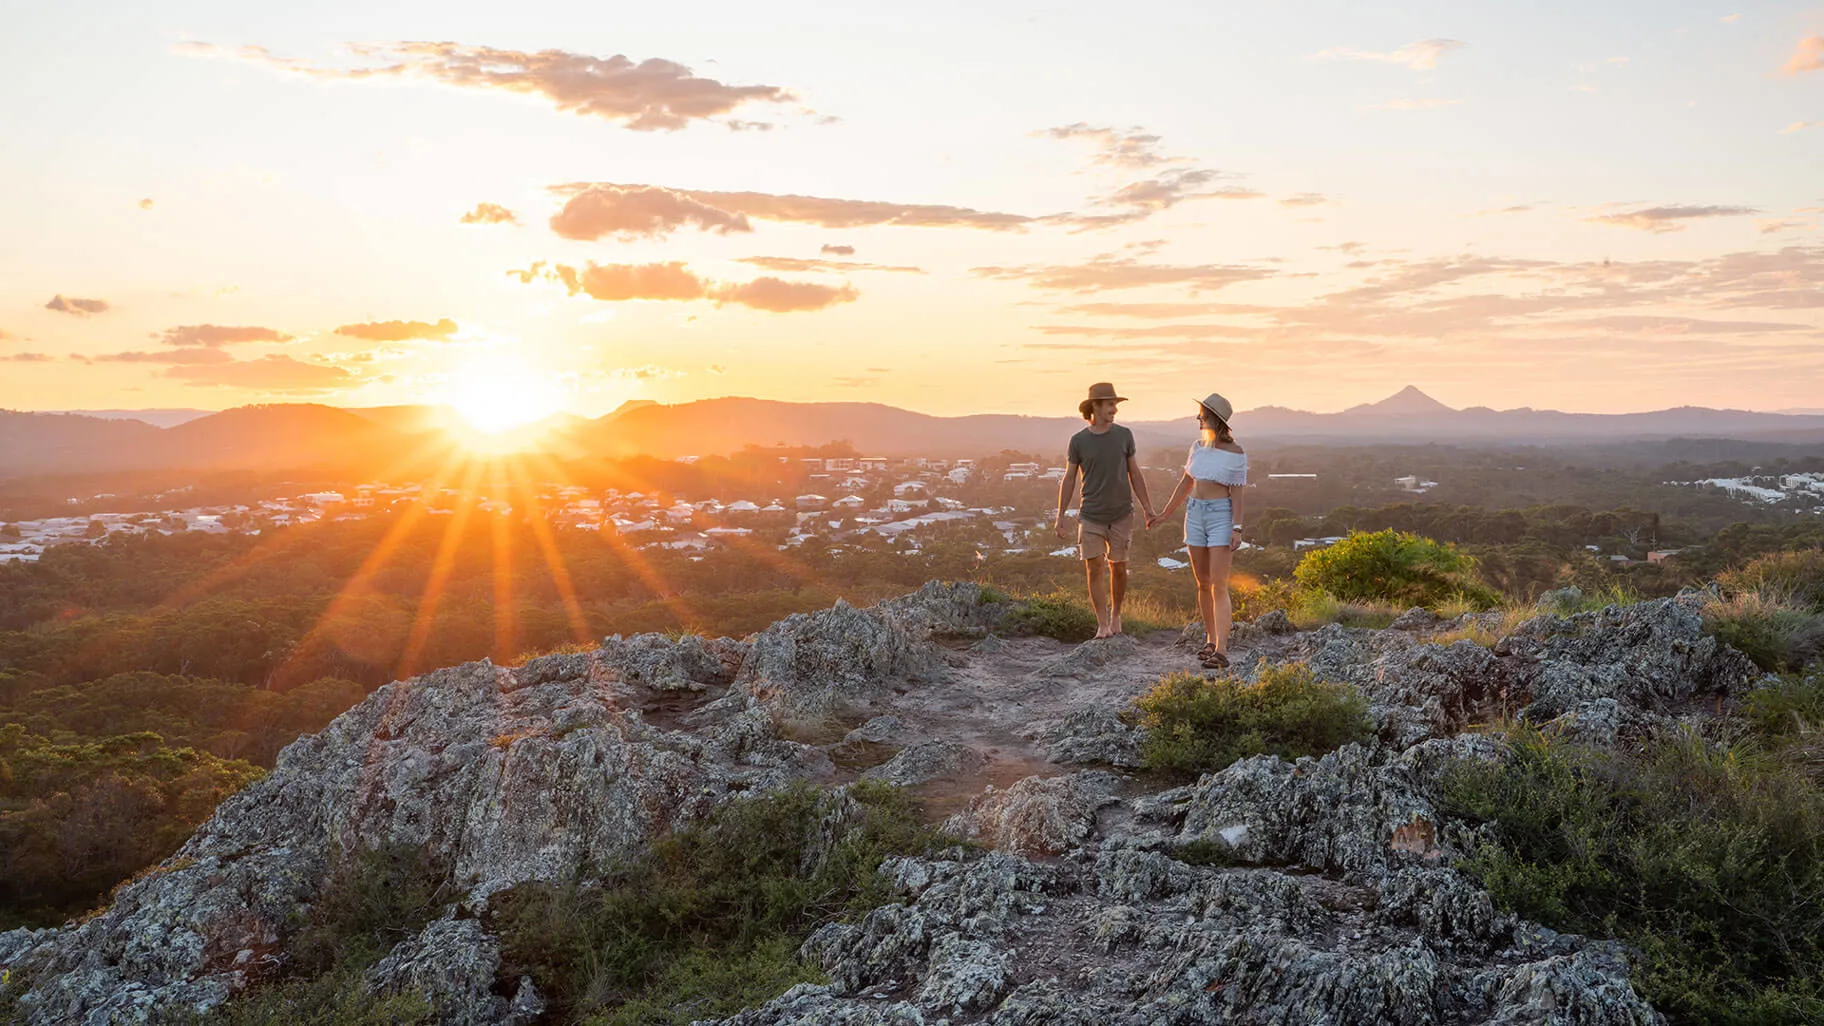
column 648, row 95
column 218, row 335
column 1305, row 199
column 76, row 307
column 1124, row 148
column 266, row 374
column 26, row 358
column 1404, row 103
column 1111, row 272
column 829, row 250
column 596, row 209
column 399, row 331
column 1800, row 126
column 1771, row 227
column 194, row 355
column 775, row 263
column 1807, row 56
column 1420, row 56
column 489, row 213
column 1667, row 218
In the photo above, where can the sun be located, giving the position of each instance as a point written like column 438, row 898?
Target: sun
column 497, row 394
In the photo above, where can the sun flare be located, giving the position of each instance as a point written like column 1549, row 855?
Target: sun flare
column 498, row 394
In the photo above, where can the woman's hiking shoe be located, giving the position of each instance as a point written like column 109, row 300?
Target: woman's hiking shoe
column 1215, row 661
column 1204, row 652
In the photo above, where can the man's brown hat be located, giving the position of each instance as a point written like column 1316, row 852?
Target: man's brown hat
column 1099, row 390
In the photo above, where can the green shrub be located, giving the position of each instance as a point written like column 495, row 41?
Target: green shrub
column 736, row 893
column 1710, row 862
column 1199, row 724
column 1393, row 566
column 372, row 900
column 1775, row 634
column 1794, row 578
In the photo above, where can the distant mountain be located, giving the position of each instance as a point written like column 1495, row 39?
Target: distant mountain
column 401, row 440
column 168, row 417
column 250, row 437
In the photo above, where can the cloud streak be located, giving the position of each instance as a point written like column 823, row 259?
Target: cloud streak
column 649, row 95
column 672, row 281
column 1420, row 56
column 1672, row 218
column 802, row 264
column 218, row 335
column 76, row 307
column 597, row 209
column 266, row 374
column 1132, row 148
column 1108, row 272
column 400, row 331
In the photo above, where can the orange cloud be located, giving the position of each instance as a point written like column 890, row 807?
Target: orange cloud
column 772, row 263
column 1807, row 56
column 620, row 282
column 837, row 250
column 1109, row 272
column 649, row 95
column 489, row 213
column 399, row 331
column 778, row 296
column 600, row 208
column 1421, row 56
column 639, row 211
column 26, row 358
column 1668, row 218
column 1305, row 199
column 673, row 281
column 77, row 307
column 266, row 374
column 218, row 335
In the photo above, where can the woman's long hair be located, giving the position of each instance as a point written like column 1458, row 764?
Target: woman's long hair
column 1215, row 429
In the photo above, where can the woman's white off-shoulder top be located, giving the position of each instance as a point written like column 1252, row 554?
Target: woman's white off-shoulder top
column 1208, row 463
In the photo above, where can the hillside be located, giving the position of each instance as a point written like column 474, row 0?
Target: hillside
column 285, row 435
column 1322, row 892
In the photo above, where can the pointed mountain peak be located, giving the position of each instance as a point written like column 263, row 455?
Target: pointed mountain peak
column 1406, row 402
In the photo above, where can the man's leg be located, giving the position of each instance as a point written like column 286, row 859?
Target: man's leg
column 1117, row 590
column 1098, row 593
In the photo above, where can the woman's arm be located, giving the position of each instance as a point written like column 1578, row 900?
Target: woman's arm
column 1171, row 504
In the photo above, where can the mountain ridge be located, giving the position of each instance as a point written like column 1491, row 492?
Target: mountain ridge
column 282, row 435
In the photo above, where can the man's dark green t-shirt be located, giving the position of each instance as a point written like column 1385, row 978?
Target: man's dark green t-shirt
column 1107, row 497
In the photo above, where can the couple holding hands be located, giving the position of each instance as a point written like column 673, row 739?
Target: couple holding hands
column 1215, row 471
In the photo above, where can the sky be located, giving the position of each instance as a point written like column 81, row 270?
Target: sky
column 952, row 208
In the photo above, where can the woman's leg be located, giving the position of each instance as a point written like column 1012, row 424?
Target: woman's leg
column 1200, row 569
column 1220, row 606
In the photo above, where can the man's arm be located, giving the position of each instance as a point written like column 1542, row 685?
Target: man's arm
column 1136, row 477
column 1067, row 491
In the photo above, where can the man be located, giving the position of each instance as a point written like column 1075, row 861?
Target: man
column 1103, row 453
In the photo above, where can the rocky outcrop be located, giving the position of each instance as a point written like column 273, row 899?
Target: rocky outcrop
column 503, row 775
column 1315, row 891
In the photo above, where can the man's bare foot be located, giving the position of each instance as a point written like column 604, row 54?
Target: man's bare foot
column 1103, row 632
column 1116, row 629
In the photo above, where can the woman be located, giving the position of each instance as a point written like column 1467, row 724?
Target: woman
column 1215, row 471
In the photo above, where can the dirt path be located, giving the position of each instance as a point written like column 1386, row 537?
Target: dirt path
column 1001, row 699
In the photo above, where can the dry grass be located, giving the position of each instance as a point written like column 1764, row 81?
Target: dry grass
column 1487, row 635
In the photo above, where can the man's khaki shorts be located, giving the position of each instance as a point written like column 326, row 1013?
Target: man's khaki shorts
column 1095, row 541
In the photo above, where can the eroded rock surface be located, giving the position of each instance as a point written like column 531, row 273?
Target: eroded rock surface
column 1319, row 891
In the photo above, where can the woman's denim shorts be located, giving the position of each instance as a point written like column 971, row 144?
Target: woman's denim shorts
column 1209, row 523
